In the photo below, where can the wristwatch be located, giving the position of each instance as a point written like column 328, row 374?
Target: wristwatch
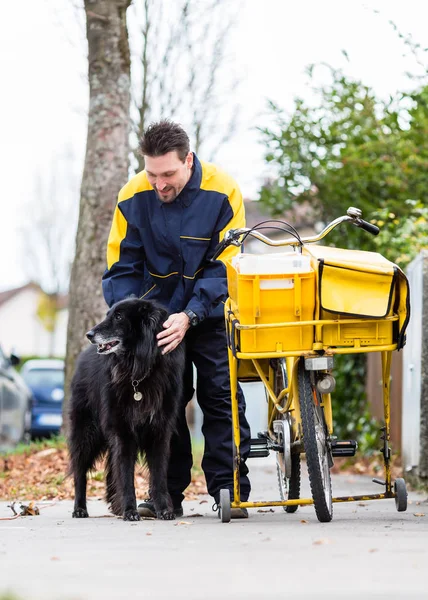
column 193, row 317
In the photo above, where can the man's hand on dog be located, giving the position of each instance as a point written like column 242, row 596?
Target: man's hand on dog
column 175, row 330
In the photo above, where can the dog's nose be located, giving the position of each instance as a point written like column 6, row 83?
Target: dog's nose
column 90, row 335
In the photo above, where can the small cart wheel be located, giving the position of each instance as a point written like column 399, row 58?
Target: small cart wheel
column 400, row 494
column 224, row 510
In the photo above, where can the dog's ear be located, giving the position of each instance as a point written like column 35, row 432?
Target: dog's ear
column 147, row 350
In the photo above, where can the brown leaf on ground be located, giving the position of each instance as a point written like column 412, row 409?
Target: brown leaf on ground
column 321, row 542
column 29, row 511
column 44, row 453
column 418, row 514
column 42, row 475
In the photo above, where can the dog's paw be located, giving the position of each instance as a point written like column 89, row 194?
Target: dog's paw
column 131, row 515
column 166, row 515
column 80, row 513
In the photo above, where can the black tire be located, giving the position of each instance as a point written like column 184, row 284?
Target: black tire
column 289, row 489
column 400, row 491
column 26, row 426
column 315, row 441
column 224, row 508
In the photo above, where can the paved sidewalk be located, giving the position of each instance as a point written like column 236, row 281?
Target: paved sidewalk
column 368, row 550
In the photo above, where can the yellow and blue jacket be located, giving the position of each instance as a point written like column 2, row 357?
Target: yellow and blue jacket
column 161, row 251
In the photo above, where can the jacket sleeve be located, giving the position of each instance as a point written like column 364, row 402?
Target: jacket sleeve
column 125, row 260
column 211, row 287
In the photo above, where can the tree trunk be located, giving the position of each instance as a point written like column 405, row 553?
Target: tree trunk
column 105, row 170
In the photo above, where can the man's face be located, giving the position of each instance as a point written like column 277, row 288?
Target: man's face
column 167, row 174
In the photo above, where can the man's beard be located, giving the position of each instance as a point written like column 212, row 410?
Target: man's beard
column 170, row 194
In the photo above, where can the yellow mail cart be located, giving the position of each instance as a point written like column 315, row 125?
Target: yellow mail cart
column 288, row 314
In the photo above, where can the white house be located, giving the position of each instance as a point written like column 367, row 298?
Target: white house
column 21, row 329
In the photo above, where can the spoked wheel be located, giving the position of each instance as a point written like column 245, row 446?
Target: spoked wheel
column 287, row 464
column 315, row 440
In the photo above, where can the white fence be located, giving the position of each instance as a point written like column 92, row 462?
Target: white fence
column 414, row 402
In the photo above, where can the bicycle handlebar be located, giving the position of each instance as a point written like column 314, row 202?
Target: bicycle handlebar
column 232, row 236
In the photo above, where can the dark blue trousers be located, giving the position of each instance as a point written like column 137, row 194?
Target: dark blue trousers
column 206, row 348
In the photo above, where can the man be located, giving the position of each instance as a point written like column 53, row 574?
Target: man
column 167, row 223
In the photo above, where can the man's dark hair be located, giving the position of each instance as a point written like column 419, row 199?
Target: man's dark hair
column 163, row 137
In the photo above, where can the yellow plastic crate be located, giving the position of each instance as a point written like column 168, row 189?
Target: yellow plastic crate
column 273, row 298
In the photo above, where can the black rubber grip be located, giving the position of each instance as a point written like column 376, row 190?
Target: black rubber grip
column 219, row 249
column 369, row 227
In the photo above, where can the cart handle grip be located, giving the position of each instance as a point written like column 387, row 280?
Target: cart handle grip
column 369, row 227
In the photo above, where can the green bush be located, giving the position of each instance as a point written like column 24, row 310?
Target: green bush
column 351, row 417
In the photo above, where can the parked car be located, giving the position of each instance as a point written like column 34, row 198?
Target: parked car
column 45, row 378
column 15, row 403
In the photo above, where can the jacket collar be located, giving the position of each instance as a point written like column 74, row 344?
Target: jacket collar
column 193, row 186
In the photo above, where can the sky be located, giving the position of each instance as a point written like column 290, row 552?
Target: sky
column 45, row 94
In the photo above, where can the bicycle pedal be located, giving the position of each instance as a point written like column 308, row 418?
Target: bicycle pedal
column 258, row 448
column 343, row 447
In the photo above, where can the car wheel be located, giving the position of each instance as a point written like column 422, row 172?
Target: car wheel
column 26, row 430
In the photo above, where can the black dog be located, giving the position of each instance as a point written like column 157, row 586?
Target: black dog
column 125, row 396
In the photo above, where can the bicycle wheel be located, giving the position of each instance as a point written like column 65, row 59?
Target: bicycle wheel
column 287, row 464
column 315, row 441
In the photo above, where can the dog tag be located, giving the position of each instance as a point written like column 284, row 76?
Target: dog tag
column 138, row 396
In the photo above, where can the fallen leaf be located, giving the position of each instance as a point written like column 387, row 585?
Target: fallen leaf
column 321, row 542
column 54, row 558
column 203, row 502
column 361, row 504
column 29, row 510
column 261, row 510
column 149, row 533
column 374, row 550
column 359, row 467
column 418, row 514
column 44, row 453
column 183, row 523
column 303, row 521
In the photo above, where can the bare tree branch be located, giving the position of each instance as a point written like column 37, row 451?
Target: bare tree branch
column 184, row 63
